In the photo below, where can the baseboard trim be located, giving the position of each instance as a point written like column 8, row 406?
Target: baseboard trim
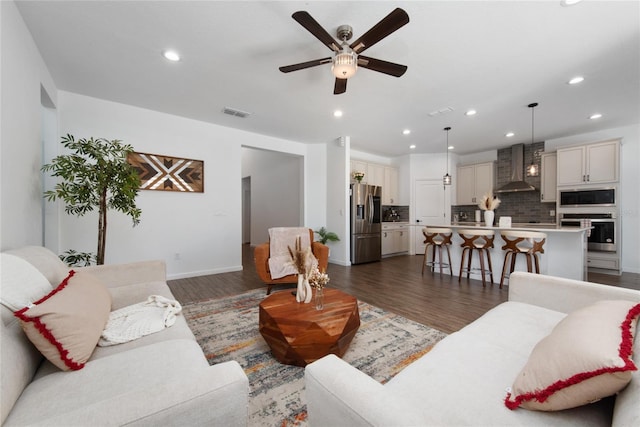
column 204, row 272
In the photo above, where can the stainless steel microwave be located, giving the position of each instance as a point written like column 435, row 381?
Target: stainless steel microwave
column 587, row 197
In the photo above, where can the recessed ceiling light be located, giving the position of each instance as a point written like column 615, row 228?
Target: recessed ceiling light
column 337, row 113
column 451, row 147
column 406, row 132
column 171, row 55
column 569, row 2
column 595, row 116
column 470, row 113
column 412, row 146
column 509, row 134
column 576, row 80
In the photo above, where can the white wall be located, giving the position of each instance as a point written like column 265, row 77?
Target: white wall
column 276, row 190
column 337, row 201
column 629, row 193
column 23, row 73
column 370, row 158
column 480, row 157
column 316, row 170
column 203, row 230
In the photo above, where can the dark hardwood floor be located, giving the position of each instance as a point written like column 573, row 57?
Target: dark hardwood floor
column 394, row 284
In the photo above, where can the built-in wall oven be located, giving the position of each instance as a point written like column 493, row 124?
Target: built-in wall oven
column 597, row 208
column 602, row 236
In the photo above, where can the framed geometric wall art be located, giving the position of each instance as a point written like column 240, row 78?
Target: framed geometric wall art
column 165, row 173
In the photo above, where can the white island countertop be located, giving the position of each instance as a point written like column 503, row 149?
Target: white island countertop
column 524, row 226
column 565, row 249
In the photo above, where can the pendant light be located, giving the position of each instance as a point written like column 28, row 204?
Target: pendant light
column 446, row 180
column 532, row 169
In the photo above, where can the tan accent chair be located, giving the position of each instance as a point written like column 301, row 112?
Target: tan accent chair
column 261, row 258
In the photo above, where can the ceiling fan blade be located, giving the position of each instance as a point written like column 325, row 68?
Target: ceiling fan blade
column 390, row 23
column 303, row 18
column 303, row 65
column 340, row 86
column 381, row 66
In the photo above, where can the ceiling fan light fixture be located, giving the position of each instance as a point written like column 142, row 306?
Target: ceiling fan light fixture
column 344, row 65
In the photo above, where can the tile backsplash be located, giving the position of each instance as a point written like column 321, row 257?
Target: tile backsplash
column 402, row 213
column 522, row 207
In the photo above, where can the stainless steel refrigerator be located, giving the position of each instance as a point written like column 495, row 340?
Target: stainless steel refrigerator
column 366, row 224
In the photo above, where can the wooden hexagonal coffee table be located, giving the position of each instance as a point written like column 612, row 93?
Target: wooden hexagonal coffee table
column 299, row 334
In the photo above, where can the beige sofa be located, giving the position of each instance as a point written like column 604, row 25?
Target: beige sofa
column 463, row 380
column 160, row 379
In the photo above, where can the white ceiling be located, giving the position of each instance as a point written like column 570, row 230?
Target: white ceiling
column 495, row 57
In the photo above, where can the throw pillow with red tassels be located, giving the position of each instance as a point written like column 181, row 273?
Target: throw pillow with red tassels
column 66, row 324
column 587, row 356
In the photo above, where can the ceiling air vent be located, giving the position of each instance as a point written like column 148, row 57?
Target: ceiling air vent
column 235, row 112
column 444, row 110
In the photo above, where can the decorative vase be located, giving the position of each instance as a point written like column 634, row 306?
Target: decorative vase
column 488, row 218
column 319, row 298
column 303, row 292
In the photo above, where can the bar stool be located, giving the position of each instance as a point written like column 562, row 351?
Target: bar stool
column 436, row 238
column 480, row 241
column 528, row 243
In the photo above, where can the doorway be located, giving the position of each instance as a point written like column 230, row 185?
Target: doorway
column 272, row 193
column 429, row 207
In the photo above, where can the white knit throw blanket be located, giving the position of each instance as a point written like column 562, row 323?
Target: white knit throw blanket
column 280, row 239
column 138, row 320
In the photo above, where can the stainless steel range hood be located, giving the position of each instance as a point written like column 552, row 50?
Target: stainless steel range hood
column 517, row 182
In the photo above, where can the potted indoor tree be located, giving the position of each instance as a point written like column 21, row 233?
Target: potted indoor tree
column 95, row 175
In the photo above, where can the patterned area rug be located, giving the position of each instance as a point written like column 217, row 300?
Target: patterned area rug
column 227, row 329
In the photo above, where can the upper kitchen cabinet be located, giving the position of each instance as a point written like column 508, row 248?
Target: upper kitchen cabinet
column 376, row 175
column 589, row 164
column 381, row 175
column 548, row 181
column 473, row 182
column 390, row 187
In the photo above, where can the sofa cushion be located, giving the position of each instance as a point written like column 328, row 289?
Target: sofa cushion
column 65, row 325
column 22, row 283
column 463, row 378
column 586, row 357
column 135, row 388
column 626, row 411
column 45, row 261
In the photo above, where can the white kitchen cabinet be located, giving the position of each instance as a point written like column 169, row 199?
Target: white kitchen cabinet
column 376, row 174
column 403, row 239
column 473, row 182
column 390, row 187
column 548, row 182
column 387, row 241
column 395, row 238
column 588, row 164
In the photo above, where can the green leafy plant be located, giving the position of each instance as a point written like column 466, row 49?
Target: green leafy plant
column 326, row 236
column 95, row 175
column 78, row 259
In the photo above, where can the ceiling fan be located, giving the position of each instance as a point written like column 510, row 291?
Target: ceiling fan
column 347, row 57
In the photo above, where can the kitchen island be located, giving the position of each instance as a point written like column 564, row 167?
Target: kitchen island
column 565, row 250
